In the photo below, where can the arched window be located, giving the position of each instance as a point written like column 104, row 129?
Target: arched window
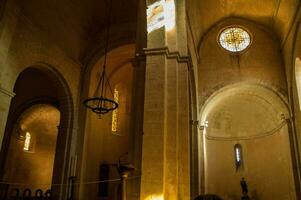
column 238, row 156
column 26, row 146
column 298, row 79
column 115, row 112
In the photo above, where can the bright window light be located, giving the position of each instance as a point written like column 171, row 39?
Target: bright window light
column 169, row 11
column 237, row 154
column 115, row 112
column 159, row 14
column 234, row 39
column 27, row 141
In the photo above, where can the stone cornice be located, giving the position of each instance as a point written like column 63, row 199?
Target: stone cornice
column 6, row 92
column 169, row 55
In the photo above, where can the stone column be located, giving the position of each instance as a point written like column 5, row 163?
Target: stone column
column 293, row 139
column 124, row 177
column 201, row 159
column 166, row 138
column 5, row 100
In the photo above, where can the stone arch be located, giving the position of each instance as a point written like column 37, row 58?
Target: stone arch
column 260, row 63
column 64, row 102
column 93, row 60
column 253, row 115
column 274, row 92
column 120, row 63
column 236, row 20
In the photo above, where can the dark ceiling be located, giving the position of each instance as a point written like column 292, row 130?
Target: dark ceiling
column 75, row 25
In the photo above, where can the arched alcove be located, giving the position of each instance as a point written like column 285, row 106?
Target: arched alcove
column 261, row 62
column 103, row 144
column 32, row 147
column 254, row 117
column 42, row 84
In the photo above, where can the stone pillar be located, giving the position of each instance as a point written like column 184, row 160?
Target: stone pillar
column 124, row 177
column 166, row 138
column 5, row 100
column 293, row 139
column 201, row 159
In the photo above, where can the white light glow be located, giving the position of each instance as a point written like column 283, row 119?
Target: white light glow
column 159, row 14
column 169, row 11
column 27, row 141
column 237, row 153
column 155, row 197
column 155, row 16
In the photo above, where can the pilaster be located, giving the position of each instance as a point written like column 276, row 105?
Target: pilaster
column 166, row 127
column 5, row 100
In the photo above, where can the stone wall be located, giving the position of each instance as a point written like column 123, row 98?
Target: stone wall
column 34, row 166
column 262, row 65
column 255, row 118
column 101, row 144
column 23, row 45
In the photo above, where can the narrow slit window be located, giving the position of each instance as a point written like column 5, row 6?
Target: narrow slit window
column 238, row 156
column 27, row 141
column 115, row 112
column 298, row 79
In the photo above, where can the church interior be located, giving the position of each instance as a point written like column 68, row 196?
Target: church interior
column 150, row 100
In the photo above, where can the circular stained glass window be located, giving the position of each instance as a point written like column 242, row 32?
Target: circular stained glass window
column 234, row 39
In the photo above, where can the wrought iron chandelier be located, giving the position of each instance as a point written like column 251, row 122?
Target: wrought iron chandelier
column 100, row 103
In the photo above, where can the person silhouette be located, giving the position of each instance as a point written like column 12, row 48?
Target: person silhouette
column 244, row 188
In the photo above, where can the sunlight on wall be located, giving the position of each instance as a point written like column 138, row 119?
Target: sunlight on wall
column 169, row 11
column 298, row 79
column 159, row 14
column 154, row 197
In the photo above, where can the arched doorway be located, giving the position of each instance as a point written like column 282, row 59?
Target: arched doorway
column 31, row 150
column 42, row 105
column 246, row 135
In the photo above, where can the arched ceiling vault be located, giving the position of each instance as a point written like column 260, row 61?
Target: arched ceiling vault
column 244, row 110
column 76, row 26
column 277, row 15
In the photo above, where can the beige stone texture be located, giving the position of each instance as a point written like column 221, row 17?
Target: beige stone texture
column 255, row 118
column 101, row 145
column 171, row 82
column 36, row 165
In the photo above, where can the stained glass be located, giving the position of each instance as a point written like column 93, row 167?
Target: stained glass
column 115, row 112
column 234, row 39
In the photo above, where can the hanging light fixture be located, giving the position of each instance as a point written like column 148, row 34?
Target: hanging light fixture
column 100, row 103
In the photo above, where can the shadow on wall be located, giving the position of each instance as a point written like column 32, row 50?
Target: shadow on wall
column 208, row 197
